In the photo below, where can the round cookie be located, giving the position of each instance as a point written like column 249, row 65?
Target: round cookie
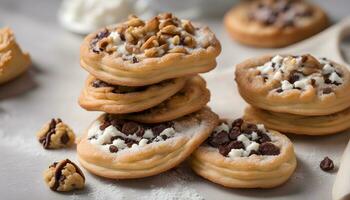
column 297, row 124
column 138, row 53
column 123, row 149
column 191, row 98
column 13, row 62
column 101, row 96
column 272, row 23
column 243, row 155
column 301, row 85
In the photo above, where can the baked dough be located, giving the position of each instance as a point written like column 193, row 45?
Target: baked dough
column 98, row 95
column 248, row 168
column 138, row 150
column 269, row 23
column 297, row 124
column 301, row 85
column 137, row 53
column 191, row 98
column 13, row 62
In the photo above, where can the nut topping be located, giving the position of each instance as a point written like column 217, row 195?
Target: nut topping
column 64, row 176
column 136, row 39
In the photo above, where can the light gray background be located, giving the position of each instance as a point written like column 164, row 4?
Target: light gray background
column 51, row 89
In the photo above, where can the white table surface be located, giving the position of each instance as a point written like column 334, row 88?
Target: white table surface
column 51, row 89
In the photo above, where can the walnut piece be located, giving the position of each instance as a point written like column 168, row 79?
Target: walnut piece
column 56, row 134
column 64, row 176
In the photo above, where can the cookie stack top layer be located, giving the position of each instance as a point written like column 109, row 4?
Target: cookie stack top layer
column 137, row 52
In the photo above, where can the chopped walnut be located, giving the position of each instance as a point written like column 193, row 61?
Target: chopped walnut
column 56, row 134
column 64, row 176
column 154, row 38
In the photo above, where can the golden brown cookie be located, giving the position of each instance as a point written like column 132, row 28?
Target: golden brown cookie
column 55, row 135
column 138, row 53
column 191, row 98
column 270, row 23
column 124, row 149
column 297, row 124
column 64, row 176
column 301, row 85
column 101, row 96
column 244, row 155
column 13, row 62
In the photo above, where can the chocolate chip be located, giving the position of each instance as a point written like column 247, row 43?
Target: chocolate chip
column 236, row 145
column 327, row 90
column 130, row 128
column 64, row 138
column 279, row 90
column 134, row 60
column 263, row 137
column 237, row 123
column 113, row 149
column 103, row 34
column 268, row 148
column 219, row 138
column 313, row 82
column 159, row 128
column 117, row 123
column 164, row 137
column 224, row 150
column 293, row 78
column 327, row 164
column 234, row 133
column 105, row 125
column 327, row 81
column 129, row 142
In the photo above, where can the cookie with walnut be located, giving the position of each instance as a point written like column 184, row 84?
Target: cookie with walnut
column 125, row 149
column 274, row 23
column 297, row 124
column 295, row 84
column 189, row 99
column 13, row 61
column 138, row 52
column 239, row 154
column 116, row 99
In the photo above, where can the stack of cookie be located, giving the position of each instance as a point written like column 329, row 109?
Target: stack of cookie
column 144, row 76
column 296, row 94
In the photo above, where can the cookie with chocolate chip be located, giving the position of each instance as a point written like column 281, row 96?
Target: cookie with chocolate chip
column 254, row 157
column 64, row 176
column 55, row 135
column 268, row 23
column 131, row 149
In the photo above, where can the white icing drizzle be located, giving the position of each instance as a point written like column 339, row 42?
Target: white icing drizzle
column 102, row 138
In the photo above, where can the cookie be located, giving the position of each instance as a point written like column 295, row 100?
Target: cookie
column 138, row 53
column 55, row 135
column 191, row 98
column 271, row 23
column 13, row 62
column 116, row 99
column 64, row 176
column 124, row 149
column 297, row 124
column 244, row 155
column 301, row 85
